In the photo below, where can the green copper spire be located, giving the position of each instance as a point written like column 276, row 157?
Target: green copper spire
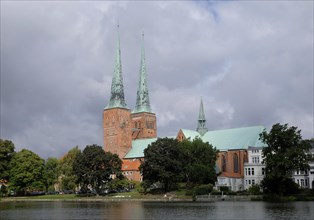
column 117, row 91
column 201, row 123
column 142, row 99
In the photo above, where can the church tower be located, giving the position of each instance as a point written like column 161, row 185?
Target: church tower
column 117, row 122
column 143, row 120
column 201, row 122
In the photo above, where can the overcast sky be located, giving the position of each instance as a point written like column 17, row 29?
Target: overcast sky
column 250, row 61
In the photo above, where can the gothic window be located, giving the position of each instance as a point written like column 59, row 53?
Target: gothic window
column 235, row 163
column 223, row 163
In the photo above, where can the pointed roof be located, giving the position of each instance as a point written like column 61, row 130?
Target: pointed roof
column 117, row 91
column 201, row 122
column 142, row 99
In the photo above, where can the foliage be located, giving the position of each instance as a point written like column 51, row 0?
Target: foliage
column 199, row 161
column 6, row 154
column 203, row 189
column 286, row 152
column 3, row 190
column 120, row 184
column 52, row 172
column 27, row 172
column 224, row 189
column 168, row 161
column 67, row 176
column 255, row 189
column 162, row 163
column 94, row 167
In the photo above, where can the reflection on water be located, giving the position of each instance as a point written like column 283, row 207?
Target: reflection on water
column 156, row 210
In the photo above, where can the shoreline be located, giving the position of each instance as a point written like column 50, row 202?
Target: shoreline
column 205, row 198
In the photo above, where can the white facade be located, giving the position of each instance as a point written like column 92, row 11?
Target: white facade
column 305, row 178
column 234, row 184
column 254, row 170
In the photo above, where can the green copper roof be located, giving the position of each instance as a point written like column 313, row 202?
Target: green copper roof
column 236, row 138
column 117, row 91
column 138, row 147
column 142, row 99
column 228, row 139
column 201, row 123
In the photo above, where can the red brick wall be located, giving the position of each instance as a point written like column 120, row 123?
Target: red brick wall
column 117, row 126
column 229, row 156
column 144, row 125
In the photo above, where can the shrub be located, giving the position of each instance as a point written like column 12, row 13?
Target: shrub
column 255, row 189
column 203, row 189
column 224, row 189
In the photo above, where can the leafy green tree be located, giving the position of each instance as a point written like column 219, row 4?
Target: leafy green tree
column 286, row 152
column 95, row 167
column 163, row 163
column 199, row 162
column 52, row 172
column 67, row 176
column 6, row 154
column 27, row 172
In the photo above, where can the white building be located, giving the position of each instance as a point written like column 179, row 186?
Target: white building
column 254, row 170
column 305, row 178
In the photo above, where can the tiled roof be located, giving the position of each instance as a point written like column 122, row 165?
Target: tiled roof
column 130, row 165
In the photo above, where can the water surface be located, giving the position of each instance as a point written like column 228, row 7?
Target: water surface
column 155, row 210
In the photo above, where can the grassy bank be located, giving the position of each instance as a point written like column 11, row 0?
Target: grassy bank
column 176, row 195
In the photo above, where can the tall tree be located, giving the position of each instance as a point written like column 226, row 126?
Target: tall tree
column 6, row 154
column 286, row 152
column 67, row 176
column 27, row 172
column 52, row 172
column 163, row 163
column 199, row 162
column 94, row 167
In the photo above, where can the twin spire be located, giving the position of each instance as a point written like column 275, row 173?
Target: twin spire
column 117, row 92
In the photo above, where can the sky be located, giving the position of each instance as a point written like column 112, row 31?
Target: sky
column 250, row 61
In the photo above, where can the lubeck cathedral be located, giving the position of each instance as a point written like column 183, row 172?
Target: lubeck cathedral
column 128, row 132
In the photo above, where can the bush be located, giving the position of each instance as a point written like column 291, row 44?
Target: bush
column 255, row 189
column 189, row 192
column 3, row 191
column 224, row 189
column 203, row 189
column 215, row 192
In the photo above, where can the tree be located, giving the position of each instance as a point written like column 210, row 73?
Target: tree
column 285, row 152
column 163, row 163
column 95, row 167
column 199, row 162
column 52, row 172
column 67, row 176
column 27, row 172
column 6, row 154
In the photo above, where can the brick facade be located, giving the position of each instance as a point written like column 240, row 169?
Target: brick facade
column 117, row 126
column 231, row 163
column 144, row 125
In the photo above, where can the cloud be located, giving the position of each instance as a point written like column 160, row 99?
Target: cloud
column 251, row 62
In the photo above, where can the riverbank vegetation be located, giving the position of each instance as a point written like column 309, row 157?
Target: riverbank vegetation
column 176, row 169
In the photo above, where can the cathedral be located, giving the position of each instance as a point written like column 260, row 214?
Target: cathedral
column 128, row 133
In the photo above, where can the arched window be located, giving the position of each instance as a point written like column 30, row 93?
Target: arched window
column 235, row 163
column 223, row 163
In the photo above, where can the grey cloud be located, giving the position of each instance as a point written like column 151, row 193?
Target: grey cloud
column 251, row 62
